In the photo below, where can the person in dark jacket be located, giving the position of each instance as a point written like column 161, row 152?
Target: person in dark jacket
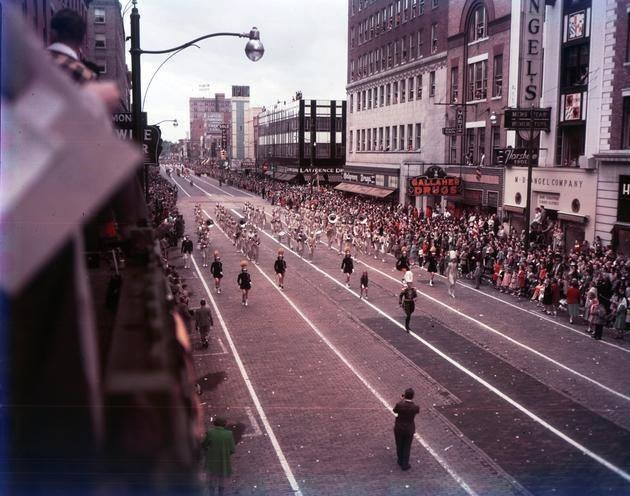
column 280, row 267
column 405, row 427
column 403, row 261
column 216, row 268
column 364, row 285
column 244, row 282
column 203, row 322
column 187, row 249
column 406, row 301
column 432, row 264
column 347, row 267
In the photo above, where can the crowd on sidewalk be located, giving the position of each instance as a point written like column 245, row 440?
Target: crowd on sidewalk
column 587, row 280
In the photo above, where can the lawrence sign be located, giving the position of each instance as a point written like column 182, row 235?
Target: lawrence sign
column 435, row 186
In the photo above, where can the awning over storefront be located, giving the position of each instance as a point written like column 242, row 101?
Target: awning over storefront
column 284, row 176
column 362, row 189
column 580, row 219
column 335, row 178
column 514, row 209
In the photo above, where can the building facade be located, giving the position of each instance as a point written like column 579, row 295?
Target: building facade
column 240, row 107
column 210, row 121
column 106, row 45
column 303, row 140
column 396, row 73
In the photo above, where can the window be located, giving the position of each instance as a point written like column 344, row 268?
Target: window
column 383, row 59
column 496, row 140
column 369, row 98
column 434, row 39
column 403, row 91
column 380, row 139
column 454, row 84
column 481, row 146
column 363, row 99
column 362, row 140
column 374, row 139
column 625, row 134
column 390, row 55
column 351, row 102
column 421, row 43
column 351, row 141
column 419, row 87
column 382, row 96
column 478, row 24
column 102, row 66
column 453, row 150
column 379, row 179
column 497, row 78
column 99, row 16
column 387, row 146
column 401, row 130
column 432, row 83
column 396, row 53
column 418, row 136
column 369, row 140
column 412, row 46
column 394, row 137
column 477, row 81
column 409, row 137
column 352, row 36
column 392, row 182
column 575, row 65
column 403, row 47
column 388, row 95
column 435, row 4
column 395, row 100
column 421, row 7
column 100, row 41
column 411, row 92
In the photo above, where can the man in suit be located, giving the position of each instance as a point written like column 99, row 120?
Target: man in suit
column 187, row 249
column 203, row 322
column 405, row 427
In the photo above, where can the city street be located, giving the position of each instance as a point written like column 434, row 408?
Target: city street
column 512, row 401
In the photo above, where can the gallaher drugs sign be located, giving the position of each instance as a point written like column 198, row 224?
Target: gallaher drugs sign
column 435, row 182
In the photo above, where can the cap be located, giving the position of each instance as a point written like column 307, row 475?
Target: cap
column 409, row 393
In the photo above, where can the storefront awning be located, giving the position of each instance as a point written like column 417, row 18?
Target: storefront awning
column 362, row 189
column 335, row 178
column 284, row 176
column 514, row 209
column 580, row 219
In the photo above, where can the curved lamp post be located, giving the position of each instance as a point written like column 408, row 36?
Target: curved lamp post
column 254, row 50
column 174, row 121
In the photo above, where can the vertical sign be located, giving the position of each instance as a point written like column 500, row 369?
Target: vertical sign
column 459, row 121
column 623, row 206
column 531, row 59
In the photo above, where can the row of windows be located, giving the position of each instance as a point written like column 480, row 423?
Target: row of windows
column 406, row 89
column 385, row 139
column 477, row 88
column 291, row 150
column 395, row 53
column 389, row 17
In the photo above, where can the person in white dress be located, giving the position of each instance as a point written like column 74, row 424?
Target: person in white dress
column 451, row 273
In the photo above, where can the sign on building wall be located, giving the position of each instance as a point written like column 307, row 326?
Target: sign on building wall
column 623, row 205
column 435, row 182
column 531, row 55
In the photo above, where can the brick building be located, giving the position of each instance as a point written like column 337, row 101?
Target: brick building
column 396, row 72
column 106, row 45
column 207, row 116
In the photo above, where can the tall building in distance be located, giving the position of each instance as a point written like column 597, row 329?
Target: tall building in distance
column 106, row 45
column 210, row 120
column 396, row 73
column 240, row 107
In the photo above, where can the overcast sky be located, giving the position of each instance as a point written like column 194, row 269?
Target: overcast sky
column 305, row 49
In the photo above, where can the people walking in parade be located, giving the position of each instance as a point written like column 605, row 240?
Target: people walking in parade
column 451, row 272
column 403, row 261
column 216, row 268
column 432, row 264
column 219, row 447
column 244, row 282
column 187, row 249
column 280, row 267
column 405, row 427
column 364, row 285
column 203, row 322
column 406, row 301
column 347, row 267
column 407, row 277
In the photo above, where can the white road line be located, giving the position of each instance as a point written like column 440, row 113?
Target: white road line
column 599, row 459
column 443, row 463
column 222, row 346
column 252, row 392
column 253, row 422
column 216, row 187
column 185, row 192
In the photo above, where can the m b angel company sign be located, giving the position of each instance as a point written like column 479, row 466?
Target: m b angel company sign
column 435, row 182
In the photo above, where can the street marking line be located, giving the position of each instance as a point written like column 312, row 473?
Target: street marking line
column 364, row 381
column 178, row 185
column 254, row 423
column 216, row 187
column 250, row 387
column 222, row 346
column 599, row 459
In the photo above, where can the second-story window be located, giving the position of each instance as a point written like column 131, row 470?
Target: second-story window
column 497, row 79
column 478, row 24
column 477, row 80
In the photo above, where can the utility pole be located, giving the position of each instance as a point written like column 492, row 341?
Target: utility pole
column 528, row 207
column 136, row 89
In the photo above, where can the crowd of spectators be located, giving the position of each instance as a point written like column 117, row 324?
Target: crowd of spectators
column 588, row 280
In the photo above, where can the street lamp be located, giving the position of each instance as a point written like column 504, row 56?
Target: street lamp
column 254, row 50
column 174, row 121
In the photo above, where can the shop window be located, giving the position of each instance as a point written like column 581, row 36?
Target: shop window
column 497, row 78
column 379, row 179
column 575, row 65
column 392, row 182
column 477, row 81
column 454, row 84
column 478, row 24
column 625, row 136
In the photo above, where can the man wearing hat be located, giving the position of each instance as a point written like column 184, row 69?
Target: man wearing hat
column 405, row 427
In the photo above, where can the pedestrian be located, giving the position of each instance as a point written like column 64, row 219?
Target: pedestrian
column 451, row 273
column 187, row 249
column 405, row 427
column 347, row 267
column 216, row 268
column 280, row 267
column 218, row 444
column 432, row 265
column 244, row 282
column 407, row 277
column 573, row 301
column 203, row 322
column 477, row 274
column 364, row 285
column 620, row 315
column 406, row 301
column 598, row 316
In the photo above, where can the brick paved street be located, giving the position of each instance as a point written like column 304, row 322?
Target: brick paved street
column 514, row 416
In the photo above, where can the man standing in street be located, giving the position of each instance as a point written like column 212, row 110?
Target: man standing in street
column 219, row 446
column 405, row 427
column 187, row 249
column 203, row 322
column 406, row 301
